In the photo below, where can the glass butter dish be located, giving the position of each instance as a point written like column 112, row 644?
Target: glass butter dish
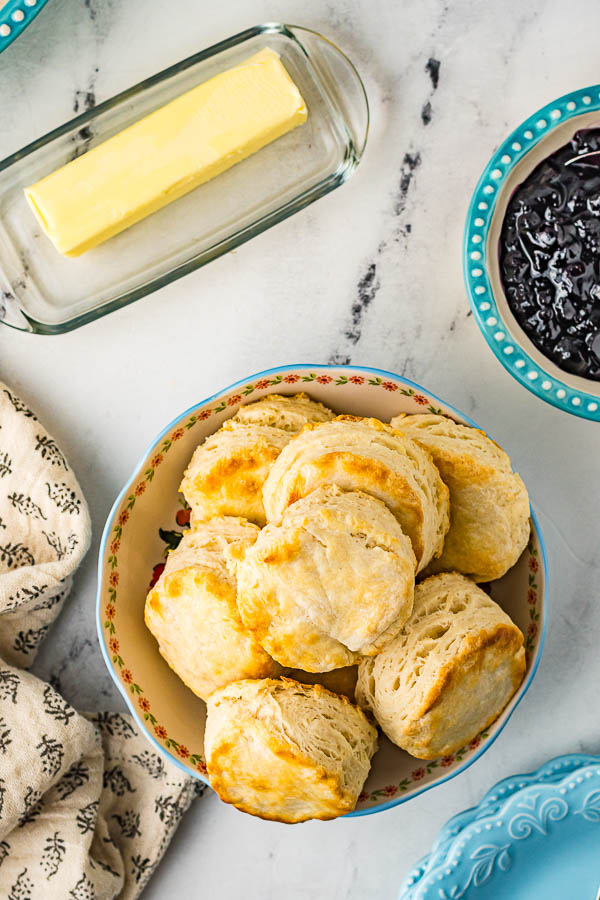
column 44, row 292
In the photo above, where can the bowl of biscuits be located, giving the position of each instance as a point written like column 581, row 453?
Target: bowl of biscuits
column 322, row 591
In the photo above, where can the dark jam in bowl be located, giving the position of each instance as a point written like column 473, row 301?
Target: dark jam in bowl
column 550, row 256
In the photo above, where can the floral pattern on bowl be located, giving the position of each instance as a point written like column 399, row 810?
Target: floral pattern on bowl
column 146, row 521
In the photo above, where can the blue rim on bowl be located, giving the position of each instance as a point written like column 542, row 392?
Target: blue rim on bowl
column 381, row 377
column 508, row 342
column 15, row 16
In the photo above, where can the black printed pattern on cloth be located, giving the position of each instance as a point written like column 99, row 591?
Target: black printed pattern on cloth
column 25, row 594
column 150, row 762
column 64, row 497
column 53, row 855
column 22, row 888
column 86, row 817
column 114, row 724
column 9, row 683
column 129, row 823
column 32, row 807
column 51, row 753
column 140, row 866
column 49, row 451
column 74, row 778
column 56, row 707
column 25, row 505
column 83, row 890
column 20, row 407
column 28, row 641
column 5, row 733
column 117, row 781
column 16, row 555
column 4, row 850
column 62, row 547
column 5, row 464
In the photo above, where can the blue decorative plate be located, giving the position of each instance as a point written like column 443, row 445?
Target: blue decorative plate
column 15, row 16
column 534, row 140
column 532, row 836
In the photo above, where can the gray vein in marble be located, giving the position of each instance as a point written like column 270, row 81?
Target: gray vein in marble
column 370, row 282
column 410, row 163
column 432, row 67
column 73, row 655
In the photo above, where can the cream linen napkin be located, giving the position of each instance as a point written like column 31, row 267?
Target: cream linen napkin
column 86, row 807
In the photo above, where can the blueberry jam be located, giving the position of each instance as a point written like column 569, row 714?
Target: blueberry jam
column 550, row 256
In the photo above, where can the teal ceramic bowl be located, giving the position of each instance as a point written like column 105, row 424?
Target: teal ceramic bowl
column 15, row 16
column 535, row 139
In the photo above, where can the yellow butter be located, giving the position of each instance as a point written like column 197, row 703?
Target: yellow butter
column 170, row 152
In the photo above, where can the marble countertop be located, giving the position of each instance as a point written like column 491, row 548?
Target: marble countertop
column 371, row 274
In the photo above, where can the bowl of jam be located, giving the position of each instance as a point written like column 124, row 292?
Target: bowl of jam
column 532, row 253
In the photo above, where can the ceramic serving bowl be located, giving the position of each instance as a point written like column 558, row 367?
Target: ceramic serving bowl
column 148, row 517
column 533, row 141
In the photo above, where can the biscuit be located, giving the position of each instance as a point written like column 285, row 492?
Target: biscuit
column 366, row 455
column 226, row 473
column 449, row 673
column 287, row 751
column 192, row 610
column 489, row 506
column 290, row 414
column 333, row 581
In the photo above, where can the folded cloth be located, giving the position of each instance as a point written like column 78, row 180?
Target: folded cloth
column 86, row 807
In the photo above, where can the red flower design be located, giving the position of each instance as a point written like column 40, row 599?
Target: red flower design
column 532, row 596
column 183, row 751
column 291, row 379
column 324, row 379
column 177, row 434
column 390, row 790
column 160, row 731
column 157, row 571
column 420, row 399
column 447, row 761
column 363, row 796
column 532, row 630
column 144, row 704
column 533, row 564
column 113, row 579
column 201, row 766
column 204, row 414
column 183, row 517
column 156, row 460
column 389, row 385
column 110, row 612
column 114, row 547
column 234, row 400
column 127, row 676
column 140, row 488
column 114, row 645
column 418, row 774
column 356, row 379
column 124, row 517
column 262, row 384
column 475, row 743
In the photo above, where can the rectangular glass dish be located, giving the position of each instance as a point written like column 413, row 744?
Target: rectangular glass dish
column 44, row 292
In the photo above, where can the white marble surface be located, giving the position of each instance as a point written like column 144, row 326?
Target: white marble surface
column 288, row 296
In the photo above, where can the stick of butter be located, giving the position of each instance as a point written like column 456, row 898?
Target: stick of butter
column 168, row 153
